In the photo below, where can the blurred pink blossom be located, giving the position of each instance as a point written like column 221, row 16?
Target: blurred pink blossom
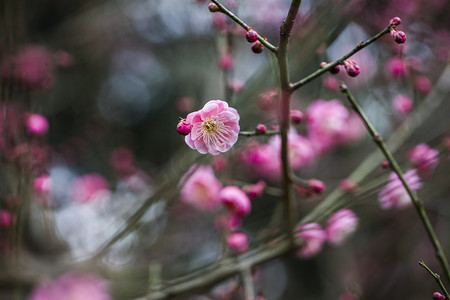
column 201, row 189
column 424, row 159
column 215, row 128
column 237, row 242
column 184, row 104
column 423, row 85
column 122, row 161
column 7, row 219
column 42, row 187
column 402, row 104
column 330, row 124
column 396, row 67
column 235, row 200
column 33, row 67
column 262, row 159
column 255, row 190
column 73, row 287
column 37, row 124
column 394, row 195
column 313, row 237
column 90, row 188
column 340, row 226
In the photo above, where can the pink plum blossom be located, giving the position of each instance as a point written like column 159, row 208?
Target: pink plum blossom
column 424, row 159
column 402, row 104
column 32, row 67
column 7, row 219
column 237, row 242
column 313, row 237
column 201, row 189
column 330, row 124
column 340, row 226
column 423, row 85
column 42, row 184
column 235, row 200
column 394, row 195
column 73, row 287
column 262, row 159
column 215, row 128
column 396, row 67
column 90, row 188
column 37, row 124
column 255, row 190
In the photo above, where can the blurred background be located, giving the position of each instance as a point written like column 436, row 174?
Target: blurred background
column 89, row 186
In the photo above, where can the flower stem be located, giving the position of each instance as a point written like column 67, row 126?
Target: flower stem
column 436, row 277
column 339, row 61
column 418, row 204
column 236, row 19
column 254, row 133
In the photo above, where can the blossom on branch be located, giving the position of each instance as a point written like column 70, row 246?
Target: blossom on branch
column 215, row 128
column 395, row 194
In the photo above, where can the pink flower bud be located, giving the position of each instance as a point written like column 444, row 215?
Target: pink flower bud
column 296, row 116
column 438, row 296
column 255, row 190
column 213, row 7
column 316, row 186
column 423, row 85
column 183, row 127
column 351, row 67
column 313, row 237
column 226, row 61
column 340, row 226
column 238, row 242
column 7, row 219
column 385, row 164
column 331, row 84
column 219, row 163
column 42, row 184
column 251, row 36
column 261, row 128
column 236, row 86
column 37, row 124
column 333, row 70
column 235, row 200
column 348, row 185
column 424, row 159
column 402, row 104
column 395, row 21
column 399, row 36
column 257, row 47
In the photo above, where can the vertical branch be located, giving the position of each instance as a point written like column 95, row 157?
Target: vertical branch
column 247, row 280
column 418, row 204
column 285, row 99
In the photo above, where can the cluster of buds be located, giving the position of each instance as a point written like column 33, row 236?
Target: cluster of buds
column 399, row 36
column 252, row 37
column 351, row 67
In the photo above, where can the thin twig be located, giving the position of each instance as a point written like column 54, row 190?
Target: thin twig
column 339, row 61
column 436, row 277
column 247, row 280
column 236, row 19
column 256, row 133
column 396, row 168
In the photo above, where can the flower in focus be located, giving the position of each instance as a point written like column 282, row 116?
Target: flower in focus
column 424, row 159
column 395, row 194
column 73, row 287
column 90, row 188
column 340, row 226
column 237, row 242
column 215, row 128
column 313, row 237
column 235, row 200
column 201, row 189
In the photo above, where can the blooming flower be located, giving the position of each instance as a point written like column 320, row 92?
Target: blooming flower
column 237, row 242
column 424, row 159
column 395, row 194
column 201, row 189
column 313, row 237
column 215, row 128
column 73, row 287
column 340, row 226
column 235, row 200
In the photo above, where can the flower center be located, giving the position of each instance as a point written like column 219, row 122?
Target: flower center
column 210, row 125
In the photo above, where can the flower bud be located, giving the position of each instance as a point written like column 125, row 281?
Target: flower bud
column 385, row 164
column 296, row 116
column 213, row 7
column 255, row 190
column 37, row 124
column 316, row 186
column 183, row 127
column 351, row 67
column 395, row 21
column 257, row 47
column 251, row 36
column 399, row 36
column 438, row 296
column 261, row 128
column 238, row 242
column 333, row 70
